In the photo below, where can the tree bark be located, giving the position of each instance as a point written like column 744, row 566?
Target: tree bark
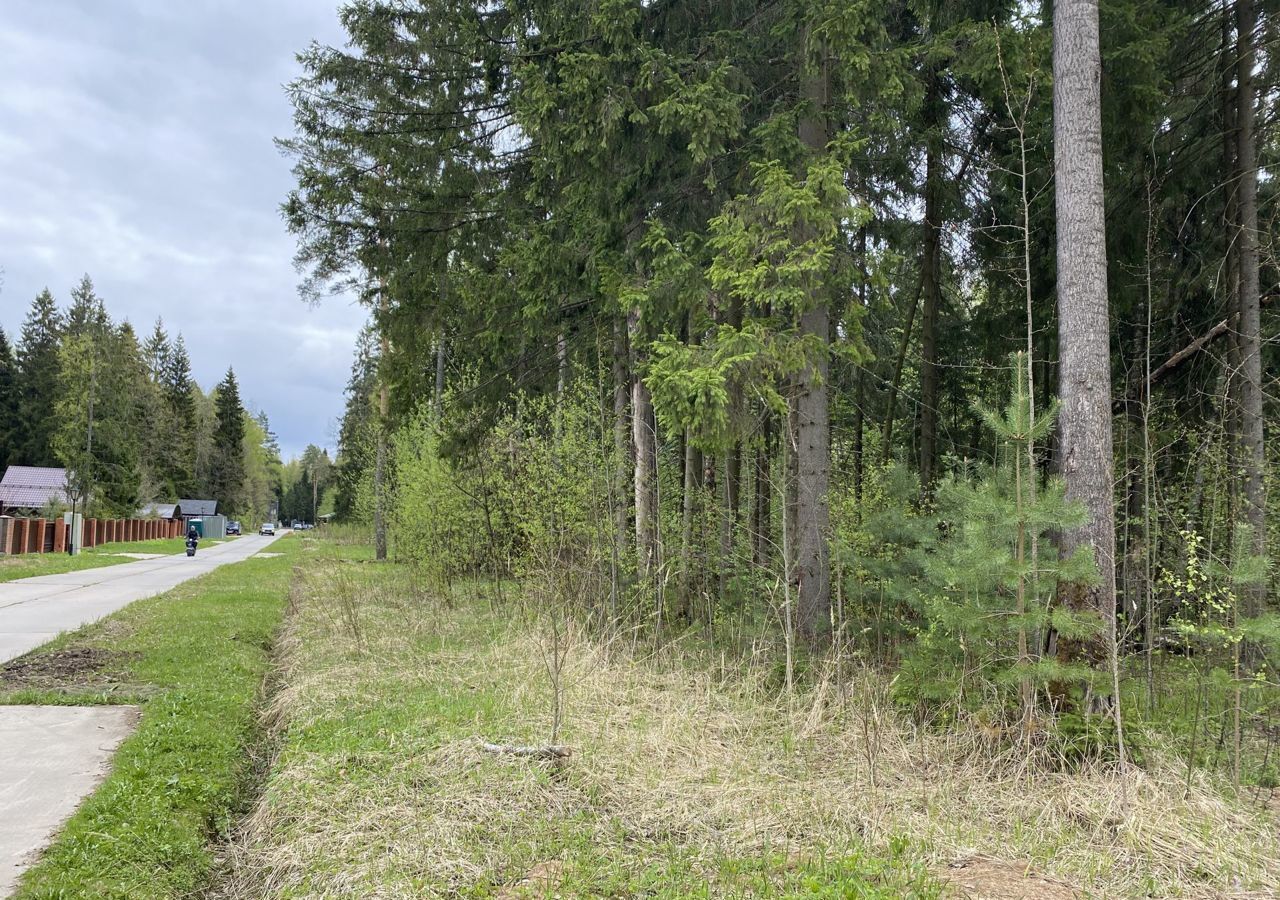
column 1252, row 453
column 760, row 513
column 860, row 381
column 1083, row 326
column 439, row 386
column 930, row 281
column 621, row 444
column 643, row 439
column 812, row 417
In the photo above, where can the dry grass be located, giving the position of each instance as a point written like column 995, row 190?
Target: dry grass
column 381, row 789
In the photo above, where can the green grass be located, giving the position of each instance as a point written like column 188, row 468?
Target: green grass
column 195, row 658
column 29, row 565
column 379, row 787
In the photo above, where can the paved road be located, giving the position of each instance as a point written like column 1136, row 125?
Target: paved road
column 34, row 610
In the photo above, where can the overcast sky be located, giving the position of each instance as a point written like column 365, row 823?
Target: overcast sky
column 136, row 146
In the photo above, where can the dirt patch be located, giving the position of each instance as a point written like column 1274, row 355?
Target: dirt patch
column 539, row 881
column 986, row 878
column 67, row 667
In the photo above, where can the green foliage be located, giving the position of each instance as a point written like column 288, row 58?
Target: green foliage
column 437, row 526
column 986, row 602
column 226, row 483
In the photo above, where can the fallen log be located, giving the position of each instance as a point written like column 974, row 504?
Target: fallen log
column 544, row 751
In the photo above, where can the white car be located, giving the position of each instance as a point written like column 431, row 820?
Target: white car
column 267, row 528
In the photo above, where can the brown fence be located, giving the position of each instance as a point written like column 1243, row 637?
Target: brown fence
column 19, row 536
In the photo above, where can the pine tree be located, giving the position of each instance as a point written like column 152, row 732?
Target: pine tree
column 38, row 379
column 227, row 465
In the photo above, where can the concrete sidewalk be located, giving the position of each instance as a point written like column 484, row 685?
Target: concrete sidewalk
column 35, row 610
column 53, row 757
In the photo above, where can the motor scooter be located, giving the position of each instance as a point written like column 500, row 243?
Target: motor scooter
column 191, row 546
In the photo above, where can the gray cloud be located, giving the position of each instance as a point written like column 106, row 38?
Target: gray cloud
column 136, row 145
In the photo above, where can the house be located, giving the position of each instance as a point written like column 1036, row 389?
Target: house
column 158, row 511
column 30, row 488
column 195, row 509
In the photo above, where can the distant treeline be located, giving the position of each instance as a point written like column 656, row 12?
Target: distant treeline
column 124, row 415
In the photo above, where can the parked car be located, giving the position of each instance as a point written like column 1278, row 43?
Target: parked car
column 267, row 528
column 233, row 528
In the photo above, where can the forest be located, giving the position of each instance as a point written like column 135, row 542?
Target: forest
column 930, row 336
column 126, row 418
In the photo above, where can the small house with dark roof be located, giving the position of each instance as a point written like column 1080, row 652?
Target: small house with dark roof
column 159, row 511
column 29, row 488
column 195, row 509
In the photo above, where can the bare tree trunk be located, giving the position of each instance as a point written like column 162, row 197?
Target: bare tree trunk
column 761, row 517
column 380, row 466
column 930, row 282
column 886, row 435
column 621, row 442
column 812, row 419
column 1083, row 326
column 689, row 511
column 1252, row 453
column 860, row 382
column 643, row 439
column 439, row 388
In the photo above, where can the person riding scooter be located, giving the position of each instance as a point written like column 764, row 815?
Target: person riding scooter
column 193, row 538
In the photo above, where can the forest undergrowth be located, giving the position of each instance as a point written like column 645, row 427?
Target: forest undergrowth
column 693, row 772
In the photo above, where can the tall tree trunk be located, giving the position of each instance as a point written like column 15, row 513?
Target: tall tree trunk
column 380, row 464
column 1083, row 327
column 860, row 380
column 688, row 512
column 644, row 443
column 760, row 513
column 886, row 434
column 621, row 444
column 1252, row 456
column 439, row 375
column 931, row 280
column 812, row 416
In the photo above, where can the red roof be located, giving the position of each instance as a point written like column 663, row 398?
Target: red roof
column 31, row 487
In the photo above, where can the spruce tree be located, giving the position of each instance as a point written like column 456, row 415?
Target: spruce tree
column 156, row 352
column 87, row 313
column 227, row 464
column 179, row 399
column 38, row 379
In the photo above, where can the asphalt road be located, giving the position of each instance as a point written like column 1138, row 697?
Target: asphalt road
column 34, row 610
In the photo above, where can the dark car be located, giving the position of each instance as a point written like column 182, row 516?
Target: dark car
column 233, row 528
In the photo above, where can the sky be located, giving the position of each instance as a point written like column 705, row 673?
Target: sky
column 136, row 146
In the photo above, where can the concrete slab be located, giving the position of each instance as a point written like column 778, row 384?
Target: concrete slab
column 52, row 758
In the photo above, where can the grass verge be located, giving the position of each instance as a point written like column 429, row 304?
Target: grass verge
column 380, row 787
column 29, row 565
column 690, row 777
column 195, row 659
